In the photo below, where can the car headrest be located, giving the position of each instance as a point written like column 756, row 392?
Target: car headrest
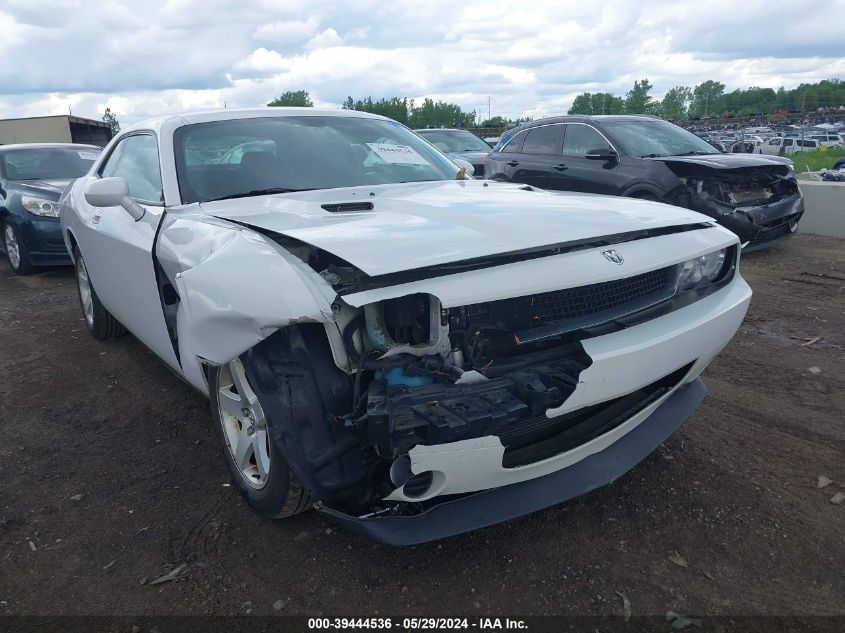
column 259, row 160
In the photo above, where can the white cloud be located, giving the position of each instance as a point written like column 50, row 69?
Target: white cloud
column 287, row 31
column 184, row 54
column 324, row 39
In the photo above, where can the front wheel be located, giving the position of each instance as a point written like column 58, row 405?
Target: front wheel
column 99, row 321
column 16, row 250
column 259, row 471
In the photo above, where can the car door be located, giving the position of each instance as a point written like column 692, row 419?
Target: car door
column 788, row 146
column 503, row 163
column 583, row 174
column 772, row 147
column 118, row 250
column 539, row 156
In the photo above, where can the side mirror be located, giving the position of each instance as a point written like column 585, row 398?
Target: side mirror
column 112, row 192
column 601, row 154
column 460, row 162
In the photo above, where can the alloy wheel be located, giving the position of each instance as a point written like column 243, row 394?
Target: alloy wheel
column 85, row 294
column 244, row 424
column 13, row 250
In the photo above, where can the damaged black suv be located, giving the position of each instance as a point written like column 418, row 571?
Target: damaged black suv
column 755, row 196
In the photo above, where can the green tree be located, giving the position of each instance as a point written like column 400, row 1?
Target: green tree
column 597, row 103
column 394, row 108
column 583, row 104
column 295, row 98
column 110, row 118
column 675, row 103
column 439, row 114
column 708, row 99
column 638, row 101
column 496, row 121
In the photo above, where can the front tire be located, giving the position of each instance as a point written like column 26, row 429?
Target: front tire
column 16, row 250
column 99, row 321
column 259, row 470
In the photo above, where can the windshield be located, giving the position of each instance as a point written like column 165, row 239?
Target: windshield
column 245, row 157
column 454, row 140
column 48, row 163
column 656, row 138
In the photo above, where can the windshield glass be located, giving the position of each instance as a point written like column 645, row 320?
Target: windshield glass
column 48, row 163
column 656, row 138
column 454, row 140
column 243, row 157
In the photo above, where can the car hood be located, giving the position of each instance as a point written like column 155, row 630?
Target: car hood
column 726, row 161
column 50, row 189
column 416, row 225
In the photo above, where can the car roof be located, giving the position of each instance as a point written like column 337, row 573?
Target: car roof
column 169, row 122
column 596, row 117
column 440, row 129
column 585, row 118
column 48, row 146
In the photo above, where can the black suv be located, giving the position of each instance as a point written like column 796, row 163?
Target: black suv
column 755, row 196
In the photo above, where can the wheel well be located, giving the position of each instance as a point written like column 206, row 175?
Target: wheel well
column 72, row 240
column 644, row 194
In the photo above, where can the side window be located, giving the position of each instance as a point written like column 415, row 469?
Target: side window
column 579, row 139
column 135, row 159
column 774, row 141
column 514, row 145
column 787, row 142
column 542, row 140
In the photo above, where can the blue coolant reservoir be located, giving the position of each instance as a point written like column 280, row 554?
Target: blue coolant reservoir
column 397, row 376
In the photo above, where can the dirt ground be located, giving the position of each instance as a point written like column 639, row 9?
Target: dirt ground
column 110, row 476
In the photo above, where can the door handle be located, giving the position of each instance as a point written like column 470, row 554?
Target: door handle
column 560, row 167
column 513, row 163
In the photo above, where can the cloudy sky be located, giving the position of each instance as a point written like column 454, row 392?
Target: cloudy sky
column 148, row 57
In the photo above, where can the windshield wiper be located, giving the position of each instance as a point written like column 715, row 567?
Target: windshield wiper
column 257, row 192
column 694, row 152
column 651, row 155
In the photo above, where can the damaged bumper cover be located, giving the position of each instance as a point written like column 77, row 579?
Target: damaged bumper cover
column 765, row 224
column 623, row 407
column 755, row 197
column 488, row 507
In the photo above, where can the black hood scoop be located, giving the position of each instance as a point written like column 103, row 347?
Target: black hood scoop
column 347, row 207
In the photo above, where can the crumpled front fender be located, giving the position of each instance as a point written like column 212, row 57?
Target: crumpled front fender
column 235, row 289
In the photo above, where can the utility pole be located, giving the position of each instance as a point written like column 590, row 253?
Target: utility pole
column 488, row 109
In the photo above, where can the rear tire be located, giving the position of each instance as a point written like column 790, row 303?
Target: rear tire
column 16, row 250
column 259, row 470
column 99, row 321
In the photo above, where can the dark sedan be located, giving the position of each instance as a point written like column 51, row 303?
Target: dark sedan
column 756, row 197
column 459, row 144
column 32, row 177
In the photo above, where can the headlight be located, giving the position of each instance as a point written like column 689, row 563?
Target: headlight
column 701, row 269
column 40, row 206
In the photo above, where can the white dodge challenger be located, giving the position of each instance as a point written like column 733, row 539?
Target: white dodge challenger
column 412, row 352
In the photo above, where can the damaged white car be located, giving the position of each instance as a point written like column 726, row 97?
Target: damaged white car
column 413, row 353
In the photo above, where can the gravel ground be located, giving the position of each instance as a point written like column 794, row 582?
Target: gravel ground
column 110, row 476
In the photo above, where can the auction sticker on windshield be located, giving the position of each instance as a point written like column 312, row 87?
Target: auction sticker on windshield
column 397, row 154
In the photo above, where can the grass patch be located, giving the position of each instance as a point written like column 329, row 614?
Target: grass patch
column 814, row 161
